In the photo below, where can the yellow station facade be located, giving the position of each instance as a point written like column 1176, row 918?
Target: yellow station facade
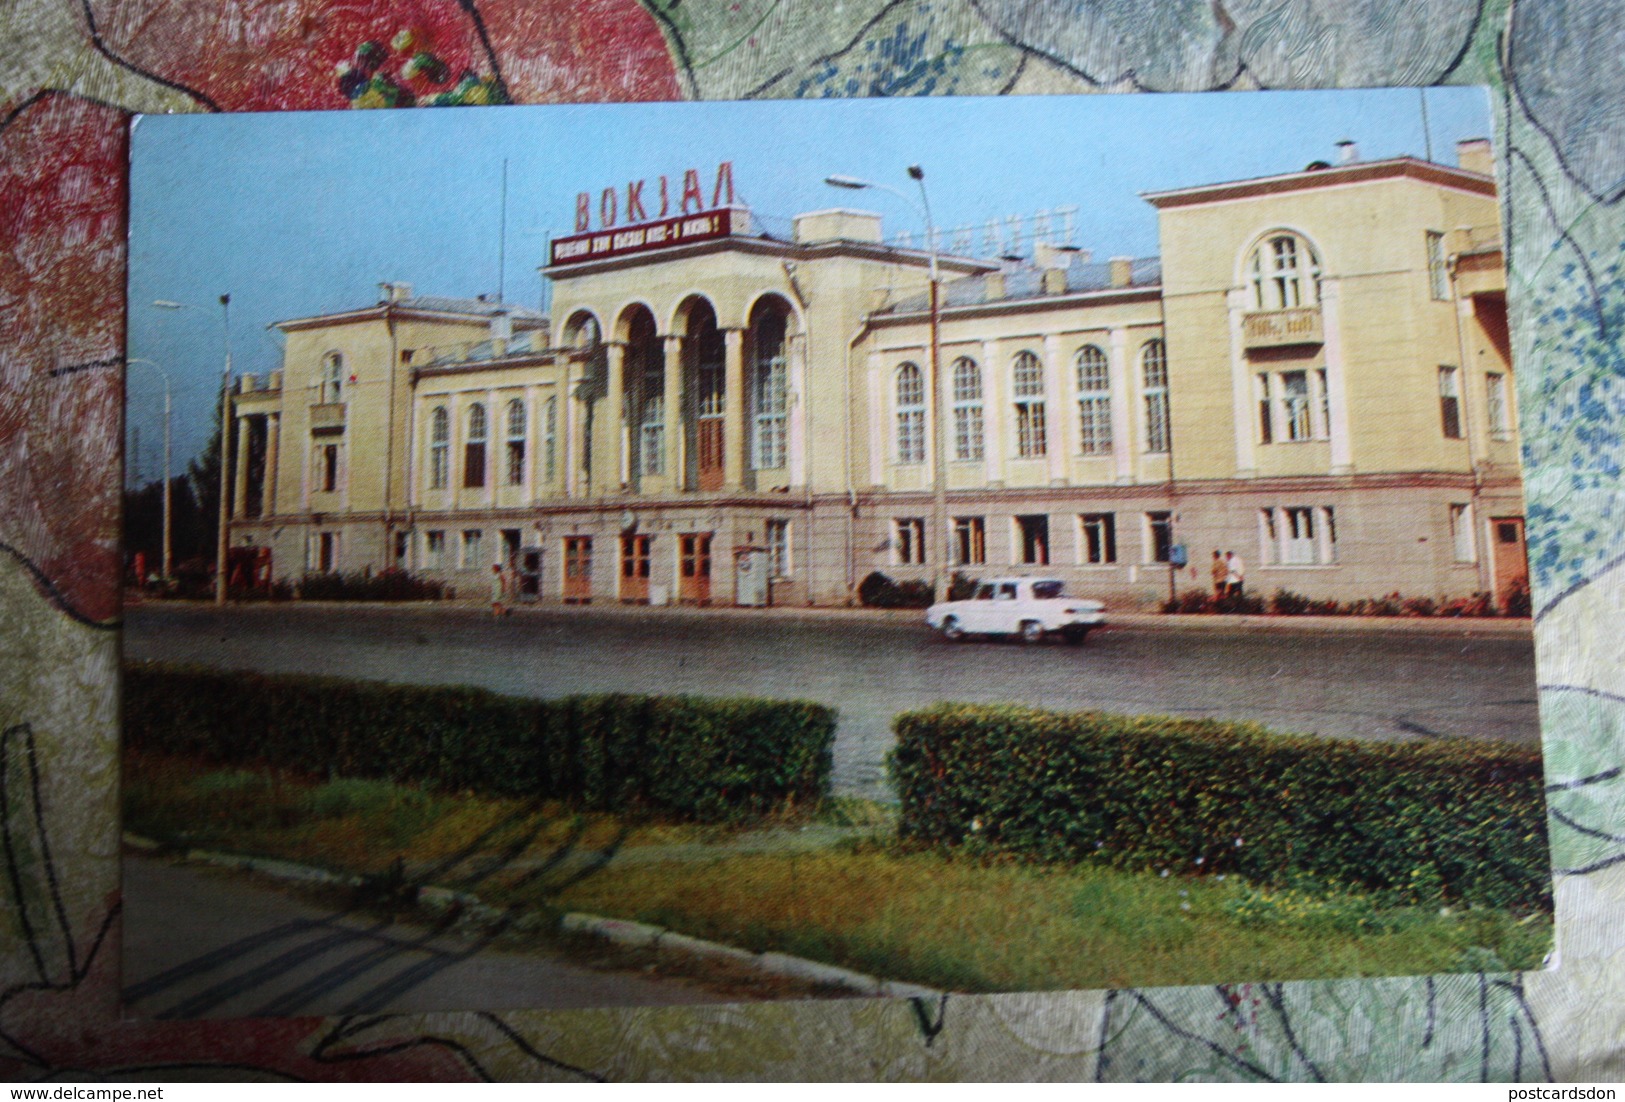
column 1314, row 374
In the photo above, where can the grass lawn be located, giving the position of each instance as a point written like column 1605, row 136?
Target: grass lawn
column 832, row 887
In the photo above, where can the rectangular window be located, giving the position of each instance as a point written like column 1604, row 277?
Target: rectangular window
column 470, row 558
column 1266, row 418
column 778, row 547
column 908, row 541
column 510, row 546
column 1450, row 402
column 1495, row 405
column 329, row 468
column 1438, row 275
column 1156, row 420
column 970, row 541
column 1099, row 538
column 439, row 466
column 403, row 551
column 1032, row 539
column 1295, row 405
column 434, row 550
column 1030, row 434
column 652, row 436
column 1461, row 533
column 516, row 462
column 1159, row 536
column 328, row 551
column 772, row 402
column 474, row 465
column 1298, row 536
column 1323, row 405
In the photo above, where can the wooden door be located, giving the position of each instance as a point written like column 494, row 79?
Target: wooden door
column 694, row 567
column 635, row 569
column 710, row 453
column 1509, row 556
column 577, row 570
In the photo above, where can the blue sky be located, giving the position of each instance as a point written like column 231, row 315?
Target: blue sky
column 300, row 213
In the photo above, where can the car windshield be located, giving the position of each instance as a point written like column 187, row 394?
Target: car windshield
column 985, row 593
column 1047, row 590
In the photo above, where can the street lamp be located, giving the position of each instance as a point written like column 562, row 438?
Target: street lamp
column 225, row 434
column 939, row 450
column 168, row 410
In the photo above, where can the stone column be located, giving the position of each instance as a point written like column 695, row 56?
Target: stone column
column 733, row 409
column 1337, row 403
column 569, row 434
column 796, row 400
column 614, row 428
column 1243, row 400
column 672, row 385
column 1123, row 419
column 273, row 435
column 879, row 449
column 239, row 503
column 1060, row 422
column 994, row 413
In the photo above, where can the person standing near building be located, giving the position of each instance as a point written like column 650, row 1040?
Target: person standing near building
column 499, row 590
column 1235, row 574
column 1220, row 570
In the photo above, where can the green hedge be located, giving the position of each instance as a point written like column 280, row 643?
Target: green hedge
column 689, row 757
column 1413, row 821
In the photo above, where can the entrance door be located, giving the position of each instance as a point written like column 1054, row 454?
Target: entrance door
column 1509, row 558
column 530, row 574
column 694, row 567
column 577, row 570
column 635, row 569
column 709, row 440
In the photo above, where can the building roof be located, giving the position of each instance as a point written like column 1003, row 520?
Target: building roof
column 1353, row 173
column 522, row 344
column 1026, row 282
column 424, row 306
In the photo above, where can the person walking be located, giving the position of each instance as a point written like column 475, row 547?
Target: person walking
column 499, row 590
column 1235, row 574
column 1220, row 570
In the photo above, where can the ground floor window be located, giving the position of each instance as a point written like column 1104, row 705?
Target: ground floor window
column 327, row 552
column 434, row 550
column 1159, row 536
column 1461, row 533
column 1099, row 543
column 1032, row 539
column 908, row 541
column 970, row 541
column 778, row 547
column 510, row 546
column 1298, row 535
column 470, row 557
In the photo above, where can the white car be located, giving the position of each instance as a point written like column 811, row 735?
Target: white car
column 1029, row 607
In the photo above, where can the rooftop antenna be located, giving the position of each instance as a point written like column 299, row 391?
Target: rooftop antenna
column 1427, row 132
column 502, row 234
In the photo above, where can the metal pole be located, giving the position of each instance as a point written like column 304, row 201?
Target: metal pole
column 225, row 454
column 939, row 468
column 169, row 512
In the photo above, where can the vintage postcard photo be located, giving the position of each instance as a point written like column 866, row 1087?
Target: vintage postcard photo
column 676, row 553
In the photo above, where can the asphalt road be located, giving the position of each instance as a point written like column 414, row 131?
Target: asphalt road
column 206, row 943
column 1403, row 685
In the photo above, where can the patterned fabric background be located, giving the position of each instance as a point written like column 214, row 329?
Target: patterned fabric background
column 73, row 71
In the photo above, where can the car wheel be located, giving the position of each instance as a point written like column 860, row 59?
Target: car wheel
column 1076, row 636
column 1032, row 631
column 951, row 630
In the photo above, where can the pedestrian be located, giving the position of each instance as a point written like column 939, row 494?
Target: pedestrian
column 1221, row 574
column 1235, row 573
column 499, row 590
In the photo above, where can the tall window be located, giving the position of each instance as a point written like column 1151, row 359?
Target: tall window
column 771, row 401
column 1029, row 401
column 516, row 442
column 1295, row 404
column 1159, row 536
column 474, row 447
column 970, row 541
column 908, row 540
column 332, row 377
column 652, row 435
column 439, row 448
column 473, row 540
column 778, row 547
column 967, row 409
column 1283, row 273
column 910, row 415
column 329, row 471
column 1324, row 429
column 434, row 549
column 1298, row 535
column 1495, row 405
column 1461, row 533
column 1450, row 402
column 1154, row 373
column 550, row 438
column 1099, row 538
column 1266, row 410
column 1094, row 401
column 1438, row 273
column 1032, row 539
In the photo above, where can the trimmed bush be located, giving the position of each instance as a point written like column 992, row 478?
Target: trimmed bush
column 687, row 757
column 878, row 590
column 386, row 585
column 1416, row 822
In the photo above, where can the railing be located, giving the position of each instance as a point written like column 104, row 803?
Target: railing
column 327, row 415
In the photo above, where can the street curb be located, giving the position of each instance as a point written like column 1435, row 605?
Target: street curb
column 634, row 935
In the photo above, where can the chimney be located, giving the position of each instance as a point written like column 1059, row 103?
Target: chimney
column 501, row 333
column 394, row 292
column 1055, row 281
column 1475, row 155
column 992, row 286
column 1347, row 152
column 1122, row 271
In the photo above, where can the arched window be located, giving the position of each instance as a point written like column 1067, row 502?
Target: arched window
column 1154, row 377
column 1283, row 272
column 332, row 377
column 910, row 415
column 652, row 432
column 769, row 390
column 474, row 448
column 550, row 439
column 439, row 448
column 1028, row 390
column 967, row 409
column 516, row 442
column 1094, row 401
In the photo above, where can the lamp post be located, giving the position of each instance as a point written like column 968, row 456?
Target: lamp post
column 168, row 510
column 939, row 450
column 225, row 436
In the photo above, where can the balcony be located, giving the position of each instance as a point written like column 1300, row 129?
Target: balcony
column 327, row 418
column 1281, row 328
